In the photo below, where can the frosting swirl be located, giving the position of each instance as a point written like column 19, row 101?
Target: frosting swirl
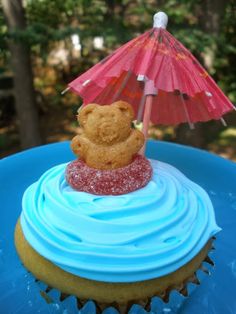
column 142, row 235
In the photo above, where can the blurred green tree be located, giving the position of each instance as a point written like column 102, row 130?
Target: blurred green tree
column 206, row 27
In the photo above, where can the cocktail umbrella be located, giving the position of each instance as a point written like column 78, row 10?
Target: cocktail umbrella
column 157, row 75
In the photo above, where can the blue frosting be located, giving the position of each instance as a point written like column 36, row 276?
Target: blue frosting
column 132, row 237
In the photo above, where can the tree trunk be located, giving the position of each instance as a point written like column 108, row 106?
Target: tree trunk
column 211, row 14
column 210, row 21
column 23, row 77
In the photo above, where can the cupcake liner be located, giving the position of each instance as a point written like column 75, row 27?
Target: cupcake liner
column 153, row 304
column 53, row 297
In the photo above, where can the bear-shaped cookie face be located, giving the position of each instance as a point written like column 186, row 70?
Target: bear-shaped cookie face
column 106, row 139
column 106, row 125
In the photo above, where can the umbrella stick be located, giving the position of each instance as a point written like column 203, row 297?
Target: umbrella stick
column 65, row 90
column 120, row 90
column 191, row 125
column 146, row 120
column 141, row 108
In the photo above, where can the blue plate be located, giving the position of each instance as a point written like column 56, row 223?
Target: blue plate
column 19, row 293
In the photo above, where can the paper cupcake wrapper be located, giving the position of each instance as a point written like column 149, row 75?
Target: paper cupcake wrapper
column 153, row 304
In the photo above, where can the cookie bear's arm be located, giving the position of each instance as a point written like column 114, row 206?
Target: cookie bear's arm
column 79, row 146
column 135, row 141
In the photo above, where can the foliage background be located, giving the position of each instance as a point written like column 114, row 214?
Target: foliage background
column 205, row 27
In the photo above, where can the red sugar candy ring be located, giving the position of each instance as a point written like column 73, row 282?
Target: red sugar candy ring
column 109, row 182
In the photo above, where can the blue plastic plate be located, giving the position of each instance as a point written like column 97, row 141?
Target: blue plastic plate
column 19, row 293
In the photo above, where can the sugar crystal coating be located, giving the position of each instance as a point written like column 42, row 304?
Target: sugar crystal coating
column 109, row 182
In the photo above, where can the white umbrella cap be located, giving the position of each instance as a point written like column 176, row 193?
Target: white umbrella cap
column 160, row 20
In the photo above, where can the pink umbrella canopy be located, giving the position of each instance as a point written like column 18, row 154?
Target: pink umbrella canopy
column 156, row 64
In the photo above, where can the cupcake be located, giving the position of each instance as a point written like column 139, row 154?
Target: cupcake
column 113, row 226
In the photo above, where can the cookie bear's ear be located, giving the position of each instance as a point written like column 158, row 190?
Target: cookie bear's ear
column 84, row 112
column 125, row 108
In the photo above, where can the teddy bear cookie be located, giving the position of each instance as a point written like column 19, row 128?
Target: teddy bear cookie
column 107, row 148
column 106, row 139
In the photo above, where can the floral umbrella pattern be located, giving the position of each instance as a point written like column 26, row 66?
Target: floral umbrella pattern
column 185, row 92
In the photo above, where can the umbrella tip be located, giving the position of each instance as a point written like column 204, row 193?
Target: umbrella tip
column 160, row 20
